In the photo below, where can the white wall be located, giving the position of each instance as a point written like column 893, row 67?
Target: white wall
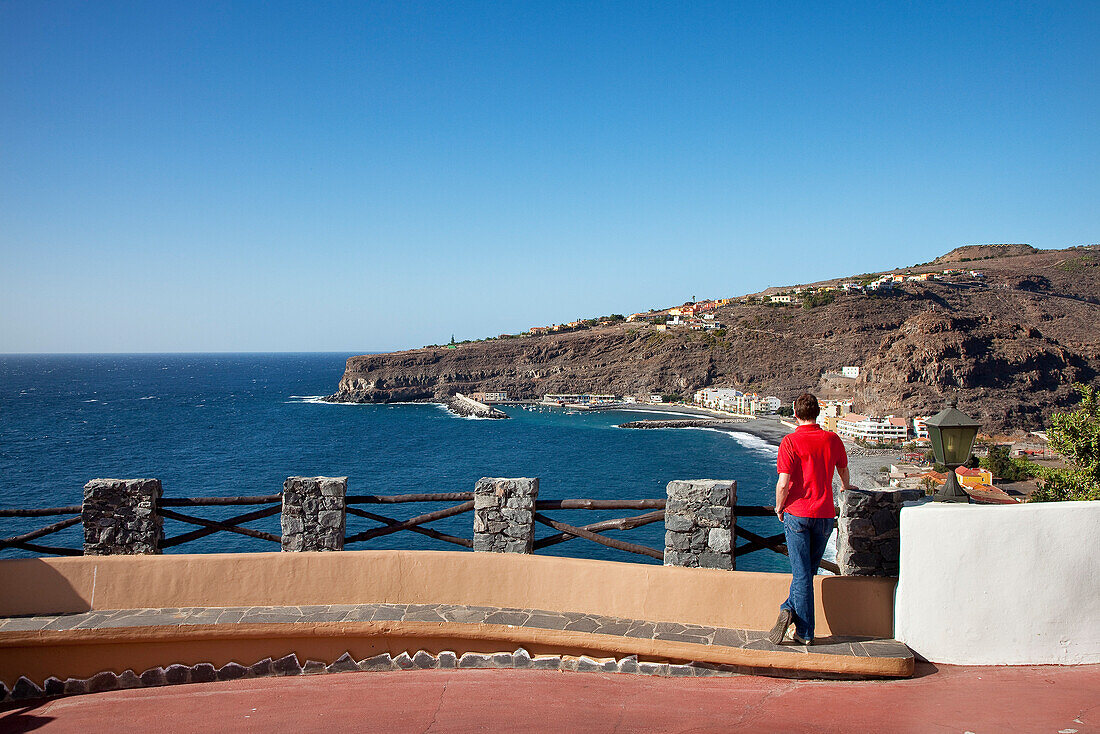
column 1000, row 585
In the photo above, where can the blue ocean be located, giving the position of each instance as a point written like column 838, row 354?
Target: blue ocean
column 239, row 424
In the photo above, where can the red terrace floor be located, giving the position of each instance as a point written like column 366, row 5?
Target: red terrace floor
column 950, row 699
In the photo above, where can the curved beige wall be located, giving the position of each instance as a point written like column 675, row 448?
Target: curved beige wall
column 845, row 605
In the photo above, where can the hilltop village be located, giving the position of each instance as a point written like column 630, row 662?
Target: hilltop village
column 699, row 315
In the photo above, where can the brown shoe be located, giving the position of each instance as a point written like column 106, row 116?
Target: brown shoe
column 780, row 628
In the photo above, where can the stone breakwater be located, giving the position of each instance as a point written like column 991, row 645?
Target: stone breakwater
column 685, row 423
column 466, row 407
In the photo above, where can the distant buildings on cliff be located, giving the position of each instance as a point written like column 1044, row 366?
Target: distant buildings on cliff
column 699, row 316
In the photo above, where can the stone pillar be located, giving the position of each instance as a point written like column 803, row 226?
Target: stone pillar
column 868, row 531
column 314, row 513
column 120, row 517
column 699, row 522
column 504, row 520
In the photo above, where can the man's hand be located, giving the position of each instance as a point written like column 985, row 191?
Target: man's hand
column 782, row 486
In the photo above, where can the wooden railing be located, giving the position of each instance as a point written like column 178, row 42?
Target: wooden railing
column 23, row 541
column 592, row 531
column 233, row 524
column 271, row 505
column 413, row 524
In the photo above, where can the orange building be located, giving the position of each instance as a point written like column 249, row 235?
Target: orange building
column 974, row 477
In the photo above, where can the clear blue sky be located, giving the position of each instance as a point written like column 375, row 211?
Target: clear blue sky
column 294, row 176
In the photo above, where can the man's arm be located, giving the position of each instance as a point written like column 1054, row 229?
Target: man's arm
column 782, row 487
column 845, row 478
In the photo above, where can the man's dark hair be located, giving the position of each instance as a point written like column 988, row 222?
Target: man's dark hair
column 806, row 407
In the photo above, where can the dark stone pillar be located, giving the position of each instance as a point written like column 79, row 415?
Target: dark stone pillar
column 504, row 519
column 120, row 517
column 314, row 513
column 699, row 521
column 869, row 530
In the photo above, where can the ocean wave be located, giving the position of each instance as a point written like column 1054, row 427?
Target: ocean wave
column 311, row 400
column 754, row 443
column 748, row 440
column 148, row 397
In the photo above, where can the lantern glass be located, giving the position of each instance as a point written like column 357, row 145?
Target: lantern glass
column 957, row 443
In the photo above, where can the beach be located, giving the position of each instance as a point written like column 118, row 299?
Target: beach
column 863, row 464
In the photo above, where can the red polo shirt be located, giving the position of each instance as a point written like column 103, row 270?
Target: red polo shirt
column 811, row 455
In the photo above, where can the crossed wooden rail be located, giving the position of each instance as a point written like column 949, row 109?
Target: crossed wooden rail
column 389, row 525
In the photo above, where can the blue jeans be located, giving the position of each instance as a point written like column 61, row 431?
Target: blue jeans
column 806, row 539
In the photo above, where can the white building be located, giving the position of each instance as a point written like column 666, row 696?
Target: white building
column 578, row 399
column 490, row 397
column 919, row 429
column 835, row 408
column 711, row 397
column 852, row 372
column 734, row 401
column 876, row 430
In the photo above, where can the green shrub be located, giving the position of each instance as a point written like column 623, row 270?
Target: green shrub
column 1075, row 435
column 1005, row 467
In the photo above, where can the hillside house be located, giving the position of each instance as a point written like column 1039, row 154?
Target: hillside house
column 890, row 429
column 831, row 410
column 973, row 477
column 920, row 430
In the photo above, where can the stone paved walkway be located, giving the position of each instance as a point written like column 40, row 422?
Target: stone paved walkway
column 533, row 618
column 948, row 699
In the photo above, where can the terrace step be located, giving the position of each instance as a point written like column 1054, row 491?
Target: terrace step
column 39, row 647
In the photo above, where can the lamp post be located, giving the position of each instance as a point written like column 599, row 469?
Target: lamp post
column 952, row 434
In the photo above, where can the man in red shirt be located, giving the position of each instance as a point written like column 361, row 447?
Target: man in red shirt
column 804, row 504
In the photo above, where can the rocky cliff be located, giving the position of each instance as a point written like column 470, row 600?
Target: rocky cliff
column 1010, row 345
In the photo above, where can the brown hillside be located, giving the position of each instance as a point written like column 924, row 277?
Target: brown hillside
column 1009, row 345
column 967, row 253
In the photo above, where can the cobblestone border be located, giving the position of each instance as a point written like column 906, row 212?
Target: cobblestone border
column 519, row 659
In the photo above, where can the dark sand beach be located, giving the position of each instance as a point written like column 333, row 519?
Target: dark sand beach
column 863, row 464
